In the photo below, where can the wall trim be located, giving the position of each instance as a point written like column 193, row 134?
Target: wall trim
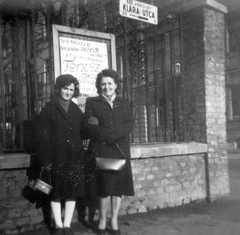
column 14, row 160
column 22, row 160
column 170, row 149
column 194, row 4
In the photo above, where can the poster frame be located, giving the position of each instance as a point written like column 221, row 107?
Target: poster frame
column 57, row 29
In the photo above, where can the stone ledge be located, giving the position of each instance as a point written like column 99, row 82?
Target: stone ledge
column 194, row 4
column 171, row 149
column 22, row 160
column 14, row 160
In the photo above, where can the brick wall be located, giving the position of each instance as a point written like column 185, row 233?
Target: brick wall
column 163, row 177
column 16, row 213
column 166, row 182
column 204, row 66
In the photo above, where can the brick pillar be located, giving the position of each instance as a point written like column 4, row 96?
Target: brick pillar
column 204, row 74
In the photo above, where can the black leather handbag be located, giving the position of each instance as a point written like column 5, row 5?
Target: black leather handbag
column 110, row 164
column 29, row 193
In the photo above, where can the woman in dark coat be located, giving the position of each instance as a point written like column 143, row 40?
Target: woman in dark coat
column 60, row 150
column 108, row 119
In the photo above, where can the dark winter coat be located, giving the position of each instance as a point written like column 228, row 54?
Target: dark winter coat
column 60, row 144
column 115, row 125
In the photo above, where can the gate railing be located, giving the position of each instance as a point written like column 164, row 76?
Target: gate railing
column 149, row 59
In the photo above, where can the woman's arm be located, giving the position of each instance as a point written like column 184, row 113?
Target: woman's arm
column 92, row 128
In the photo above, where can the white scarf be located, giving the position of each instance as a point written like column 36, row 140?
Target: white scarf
column 110, row 99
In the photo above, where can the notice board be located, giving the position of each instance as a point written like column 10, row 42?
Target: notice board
column 83, row 54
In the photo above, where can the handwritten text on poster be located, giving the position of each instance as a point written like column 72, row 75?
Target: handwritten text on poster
column 84, row 60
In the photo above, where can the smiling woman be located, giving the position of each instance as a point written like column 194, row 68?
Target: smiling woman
column 67, row 92
column 60, row 150
column 108, row 121
column 108, row 87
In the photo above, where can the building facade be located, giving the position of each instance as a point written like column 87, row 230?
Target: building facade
column 173, row 74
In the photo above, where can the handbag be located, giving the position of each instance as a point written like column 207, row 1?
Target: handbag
column 29, row 193
column 110, row 164
column 43, row 186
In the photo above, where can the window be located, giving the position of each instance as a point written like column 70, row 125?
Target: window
column 235, row 104
column 152, row 79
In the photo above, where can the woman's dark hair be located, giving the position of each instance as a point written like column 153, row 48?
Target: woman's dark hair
column 66, row 80
column 108, row 73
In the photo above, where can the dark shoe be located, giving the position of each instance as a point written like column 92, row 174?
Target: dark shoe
column 57, row 231
column 102, row 232
column 116, row 232
column 67, row 231
column 49, row 224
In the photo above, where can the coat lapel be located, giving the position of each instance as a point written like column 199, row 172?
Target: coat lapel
column 116, row 103
column 67, row 115
column 103, row 101
column 71, row 115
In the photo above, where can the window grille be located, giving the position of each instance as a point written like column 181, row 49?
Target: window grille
column 44, row 89
column 149, row 58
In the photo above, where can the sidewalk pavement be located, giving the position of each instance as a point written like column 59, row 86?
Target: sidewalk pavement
column 220, row 217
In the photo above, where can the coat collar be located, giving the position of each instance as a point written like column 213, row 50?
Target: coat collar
column 62, row 111
column 101, row 98
column 116, row 101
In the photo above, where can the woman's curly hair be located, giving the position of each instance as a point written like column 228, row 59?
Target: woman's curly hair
column 108, row 73
column 66, row 80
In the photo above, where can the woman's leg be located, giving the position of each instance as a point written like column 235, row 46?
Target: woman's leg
column 68, row 212
column 91, row 214
column 104, row 201
column 46, row 210
column 115, row 206
column 57, row 213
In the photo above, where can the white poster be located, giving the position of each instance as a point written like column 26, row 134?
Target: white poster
column 84, row 60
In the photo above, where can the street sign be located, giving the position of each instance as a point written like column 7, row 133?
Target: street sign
column 139, row 11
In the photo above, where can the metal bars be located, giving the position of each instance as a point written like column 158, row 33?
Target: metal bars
column 147, row 55
column 154, row 91
column 3, row 102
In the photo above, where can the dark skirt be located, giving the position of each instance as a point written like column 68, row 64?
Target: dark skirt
column 109, row 183
column 119, row 183
column 91, row 198
column 68, row 181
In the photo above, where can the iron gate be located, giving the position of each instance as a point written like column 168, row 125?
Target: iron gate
column 149, row 59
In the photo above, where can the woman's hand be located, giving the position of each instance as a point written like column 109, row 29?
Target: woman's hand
column 112, row 138
column 93, row 121
column 46, row 168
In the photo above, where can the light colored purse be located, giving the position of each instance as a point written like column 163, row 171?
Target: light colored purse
column 43, row 186
column 110, row 164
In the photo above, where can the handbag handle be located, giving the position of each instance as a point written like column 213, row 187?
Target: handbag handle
column 121, row 150
column 117, row 147
column 48, row 171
